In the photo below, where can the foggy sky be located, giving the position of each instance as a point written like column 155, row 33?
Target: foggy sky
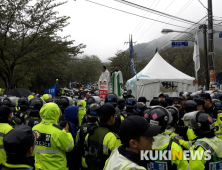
column 104, row 30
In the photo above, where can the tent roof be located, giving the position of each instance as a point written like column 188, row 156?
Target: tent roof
column 159, row 68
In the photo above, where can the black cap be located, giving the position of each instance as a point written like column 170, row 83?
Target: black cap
column 169, row 101
column 4, row 113
column 154, row 102
column 107, row 110
column 19, row 140
column 162, row 95
column 134, row 126
column 143, row 99
column 190, row 106
column 200, row 102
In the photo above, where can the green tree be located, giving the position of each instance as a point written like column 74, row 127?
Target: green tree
column 28, row 36
column 86, row 69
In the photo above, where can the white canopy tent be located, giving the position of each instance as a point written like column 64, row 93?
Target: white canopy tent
column 159, row 76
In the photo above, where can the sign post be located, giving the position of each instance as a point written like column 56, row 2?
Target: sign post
column 220, row 35
column 103, row 90
column 179, row 44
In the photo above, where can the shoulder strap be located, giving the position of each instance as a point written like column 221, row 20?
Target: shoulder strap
column 57, row 126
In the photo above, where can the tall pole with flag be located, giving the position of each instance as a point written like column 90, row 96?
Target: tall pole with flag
column 196, row 58
column 132, row 63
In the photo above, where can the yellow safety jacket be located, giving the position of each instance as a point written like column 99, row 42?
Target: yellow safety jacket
column 162, row 142
column 212, row 144
column 54, row 142
column 4, row 129
column 82, row 110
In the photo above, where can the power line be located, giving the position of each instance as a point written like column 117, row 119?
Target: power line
column 134, row 14
column 202, row 4
column 147, row 16
column 142, row 58
column 155, row 12
column 155, row 21
column 143, row 18
column 178, row 13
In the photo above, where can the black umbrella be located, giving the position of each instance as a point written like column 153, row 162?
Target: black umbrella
column 20, row 92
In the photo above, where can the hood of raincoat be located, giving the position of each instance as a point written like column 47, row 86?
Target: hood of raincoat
column 70, row 115
column 81, row 104
column 50, row 113
column 45, row 97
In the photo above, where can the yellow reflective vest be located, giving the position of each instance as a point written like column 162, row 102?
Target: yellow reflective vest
column 213, row 144
column 54, row 142
column 161, row 142
column 4, row 129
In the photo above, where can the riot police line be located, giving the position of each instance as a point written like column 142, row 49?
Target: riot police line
column 110, row 134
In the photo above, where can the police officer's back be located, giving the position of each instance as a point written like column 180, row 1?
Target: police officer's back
column 33, row 118
column 101, row 141
column 92, row 115
column 130, row 103
column 54, row 142
column 5, row 118
column 23, row 111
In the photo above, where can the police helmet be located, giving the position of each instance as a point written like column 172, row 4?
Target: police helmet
column 10, row 101
column 64, row 102
column 139, row 108
column 216, row 95
column 131, row 102
column 201, row 123
column 93, row 110
column 22, row 102
column 111, row 98
column 160, row 116
column 93, row 99
column 146, row 112
column 36, row 103
column 121, row 103
column 217, row 104
column 175, row 115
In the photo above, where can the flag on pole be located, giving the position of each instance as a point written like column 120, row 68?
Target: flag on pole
column 156, row 50
column 133, row 71
column 52, row 90
column 196, row 54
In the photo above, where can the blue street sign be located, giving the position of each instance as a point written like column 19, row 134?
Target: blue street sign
column 179, row 44
column 220, row 35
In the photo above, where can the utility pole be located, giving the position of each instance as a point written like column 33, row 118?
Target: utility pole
column 210, row 42
column 207, row 78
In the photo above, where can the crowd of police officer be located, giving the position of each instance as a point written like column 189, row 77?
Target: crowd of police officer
column 43, row 133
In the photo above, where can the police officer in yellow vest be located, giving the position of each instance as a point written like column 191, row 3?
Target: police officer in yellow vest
column 204, row 128
column 136, row 134
column 5, row 117
column 91, row 120
column 101, row 141
column 159, row 116
column 19, row 144
column 54, row 142
column 82, row 109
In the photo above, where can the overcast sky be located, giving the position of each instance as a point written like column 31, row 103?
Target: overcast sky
column 105, row 30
